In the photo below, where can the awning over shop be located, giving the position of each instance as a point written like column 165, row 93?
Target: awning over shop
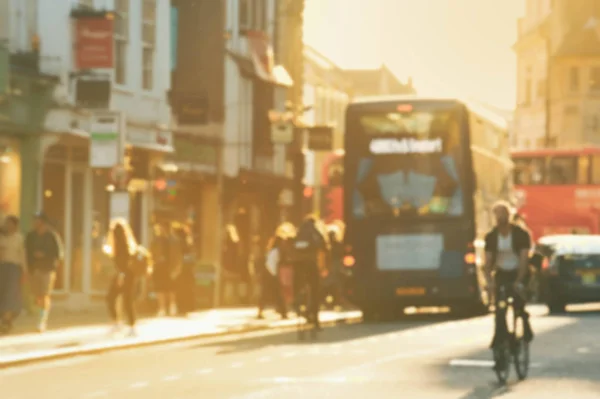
column 260, row 62
column 150, row 138
column 194, row 154
column 70, row 125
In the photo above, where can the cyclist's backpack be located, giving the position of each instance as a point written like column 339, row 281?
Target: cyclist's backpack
column 307, row 243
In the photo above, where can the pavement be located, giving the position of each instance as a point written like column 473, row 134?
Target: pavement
column 418, row 356
column 76, row 333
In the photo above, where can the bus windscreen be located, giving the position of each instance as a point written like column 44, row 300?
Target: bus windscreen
column 409, row 164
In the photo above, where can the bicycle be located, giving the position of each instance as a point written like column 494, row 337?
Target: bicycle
column 514, row 346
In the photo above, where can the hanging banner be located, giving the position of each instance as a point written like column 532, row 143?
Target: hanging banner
column 94, row 42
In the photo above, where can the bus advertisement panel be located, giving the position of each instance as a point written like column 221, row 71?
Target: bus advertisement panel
column 411, row 203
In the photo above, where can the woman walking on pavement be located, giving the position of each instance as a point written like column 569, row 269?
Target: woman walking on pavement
column 12, row 272
column 270, row 277
column 123, row 248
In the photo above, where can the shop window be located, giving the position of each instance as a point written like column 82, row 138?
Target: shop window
column 562, row 170
column 77, row 233
column 102, row 266
column 121, row 36
column 595, row 79
column 10, row 180
column 530, row 171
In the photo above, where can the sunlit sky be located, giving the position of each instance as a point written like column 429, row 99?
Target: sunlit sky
column 449, row 47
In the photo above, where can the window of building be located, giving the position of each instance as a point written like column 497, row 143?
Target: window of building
column 574, row 79
column 528, row 88
column 562, row 170
column 245, row 15
column 541, row 88
column 121, row 40
column 149, row 43
column 530, row 171
column 260, row 15
column 595, row 79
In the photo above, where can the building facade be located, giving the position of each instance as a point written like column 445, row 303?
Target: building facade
column 255, row 133
column 326, row 94
column 377, row 82
column 558, row 67
column 107, row 124
column 188, row 188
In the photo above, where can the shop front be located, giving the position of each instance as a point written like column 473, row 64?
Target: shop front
column 10, row 177
column 186, row 191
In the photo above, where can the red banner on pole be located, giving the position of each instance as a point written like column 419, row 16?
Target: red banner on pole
column 94, row 43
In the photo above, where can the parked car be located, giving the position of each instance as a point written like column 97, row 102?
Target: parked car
column 569, row 271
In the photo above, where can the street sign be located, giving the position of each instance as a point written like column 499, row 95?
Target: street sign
column 320, row 138
column 105, row 140
column 282, row 127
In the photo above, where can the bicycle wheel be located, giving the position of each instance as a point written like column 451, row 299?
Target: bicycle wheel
column 502, row 362
column 520, row 348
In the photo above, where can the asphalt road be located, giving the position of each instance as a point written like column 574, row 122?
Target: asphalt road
column 417, row 357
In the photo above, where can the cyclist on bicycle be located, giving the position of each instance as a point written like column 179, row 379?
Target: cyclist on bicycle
column 507, row 249
column 309, row 243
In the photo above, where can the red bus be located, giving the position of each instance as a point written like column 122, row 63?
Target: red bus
column 332, row 178
column 558, row 191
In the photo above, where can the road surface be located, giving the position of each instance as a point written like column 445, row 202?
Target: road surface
column 418, row 357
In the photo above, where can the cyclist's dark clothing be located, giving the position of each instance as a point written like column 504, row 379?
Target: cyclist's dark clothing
column 307, row 274
column 306, row 267
column 520, row 241
column 506, row 279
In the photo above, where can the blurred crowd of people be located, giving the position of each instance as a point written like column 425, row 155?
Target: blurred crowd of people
column 163, row 275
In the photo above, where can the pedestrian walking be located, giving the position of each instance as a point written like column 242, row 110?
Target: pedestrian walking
column 43, row 250
column 168, row 258
column 123, row 249
column 13, row 268
column 185, row 285
column 270, row 285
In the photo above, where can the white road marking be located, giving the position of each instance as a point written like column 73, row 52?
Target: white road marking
column 480, row 363
column 264, row 359
column 139, row 385
column 172, row 378
column 237, row 365
column 583, row 350
column 204, row 371
column 96, row 394
column 290, row 354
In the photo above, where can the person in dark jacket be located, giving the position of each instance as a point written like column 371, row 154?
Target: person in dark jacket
column 309, row 245
column 186, row 281
column 123, row 245
column 168, row 258
column 44, row 253
column 507, row 249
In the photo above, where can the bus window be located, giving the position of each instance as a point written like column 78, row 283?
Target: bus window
column 595, row 169
column 583, row 170
column 562, row 170
column 529, row 171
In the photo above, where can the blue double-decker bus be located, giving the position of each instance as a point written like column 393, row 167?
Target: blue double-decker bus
column 420, row 176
